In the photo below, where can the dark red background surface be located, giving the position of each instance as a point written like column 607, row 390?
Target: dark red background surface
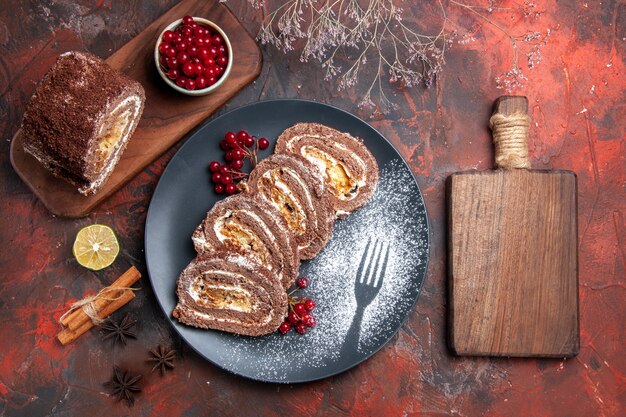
column 577, row 102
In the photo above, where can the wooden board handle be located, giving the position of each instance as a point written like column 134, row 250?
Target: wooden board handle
column 509, row 126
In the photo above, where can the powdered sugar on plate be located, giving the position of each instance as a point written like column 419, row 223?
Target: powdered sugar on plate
column 395, row 216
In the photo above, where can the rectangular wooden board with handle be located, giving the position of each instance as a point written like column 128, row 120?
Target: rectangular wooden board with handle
column 512, row 251
column 167, row 116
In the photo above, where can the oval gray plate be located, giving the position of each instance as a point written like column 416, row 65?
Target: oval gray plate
column 354, row 320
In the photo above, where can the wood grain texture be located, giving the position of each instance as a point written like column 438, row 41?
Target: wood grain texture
column 513, row 263
column 167, row 116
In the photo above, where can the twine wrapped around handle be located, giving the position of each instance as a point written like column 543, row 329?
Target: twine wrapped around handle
column 88, row 304
column 510, row 138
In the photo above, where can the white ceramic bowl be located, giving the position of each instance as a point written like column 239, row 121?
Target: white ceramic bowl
column 172, row 26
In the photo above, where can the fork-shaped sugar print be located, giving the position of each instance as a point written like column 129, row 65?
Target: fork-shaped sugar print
column 368, row 281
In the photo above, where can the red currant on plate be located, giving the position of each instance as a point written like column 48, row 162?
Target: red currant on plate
column 302, row 282
column 263, row 143
column 284, row 327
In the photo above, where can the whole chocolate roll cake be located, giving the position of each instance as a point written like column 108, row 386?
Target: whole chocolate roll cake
column 296, row 190
column 79, row 119
column 253, row 228
column 350, row 171
column 229, row 292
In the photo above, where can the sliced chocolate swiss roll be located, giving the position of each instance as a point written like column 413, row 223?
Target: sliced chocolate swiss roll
column 252, row 227
column 229, row 292
column 80, row 118
column 350, row 171
column 296, row 190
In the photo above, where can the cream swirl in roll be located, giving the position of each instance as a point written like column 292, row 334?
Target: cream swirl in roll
column 293, row 186
column 229, row 292
column 250, row 226
column 349, row 169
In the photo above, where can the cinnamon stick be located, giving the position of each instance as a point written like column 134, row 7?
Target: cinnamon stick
column 68, row 335
column 78, row 322
column 78, row 318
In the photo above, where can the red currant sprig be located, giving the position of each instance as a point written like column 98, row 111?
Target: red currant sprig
column 300, row 310
column 237, row 148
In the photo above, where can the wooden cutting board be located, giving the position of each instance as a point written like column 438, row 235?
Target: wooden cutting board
column 167, row 116
column 512, row 251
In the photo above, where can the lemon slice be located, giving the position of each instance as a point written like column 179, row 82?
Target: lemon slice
column 96, row 246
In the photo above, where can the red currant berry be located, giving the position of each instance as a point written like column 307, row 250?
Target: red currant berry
column 237, row 154
column 219, row 188
column 222, row 60
column 186, row 31
column 199, row 42
column 201, row 82
column 217, row 40
column 193, row 50
column 214, row 166
column 169, row 36
column 199, row 69
column 199, row 32
column 230, row 189
column 213, row 52
column 172, row 62
column 204, row 54
column 164, row 47
column 210, row 70
column 299, row 309
column 224, row 170
column 187, row 20
column 237, row 164
column 249, row 141
column 311, row 322
column 301, row 328
column 309, row 305
column 293, row 318
column 228, row 156
column 173, row 74
column 189, row 69
column 302, row 282
column 183, row 57
column 224, row 145
column 216, row 178
column 211, row 80
column 171, row 52
column 227, row 179
column 181, row 82
column 305, row 317
column 242, row 135
column 284, row 327
column 182, row 46
column 232, row 141
column 221, row 49
column 264, row 143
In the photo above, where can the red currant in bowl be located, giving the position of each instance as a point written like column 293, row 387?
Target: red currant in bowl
column 193, row 56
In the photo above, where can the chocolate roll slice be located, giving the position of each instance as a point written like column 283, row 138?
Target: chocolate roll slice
column 250, row 226
column 79, row 119
column 229, row 292
column 350, row 171
column 296, row 190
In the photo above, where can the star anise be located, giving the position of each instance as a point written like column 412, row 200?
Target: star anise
column 163, row 357
column 121, row 331
column 124, row 385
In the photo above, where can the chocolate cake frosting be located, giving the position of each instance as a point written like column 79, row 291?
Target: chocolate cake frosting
column 79, row 119
column 349, row 169
column 229, row 292
column 252, row 227
column 294, row 187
